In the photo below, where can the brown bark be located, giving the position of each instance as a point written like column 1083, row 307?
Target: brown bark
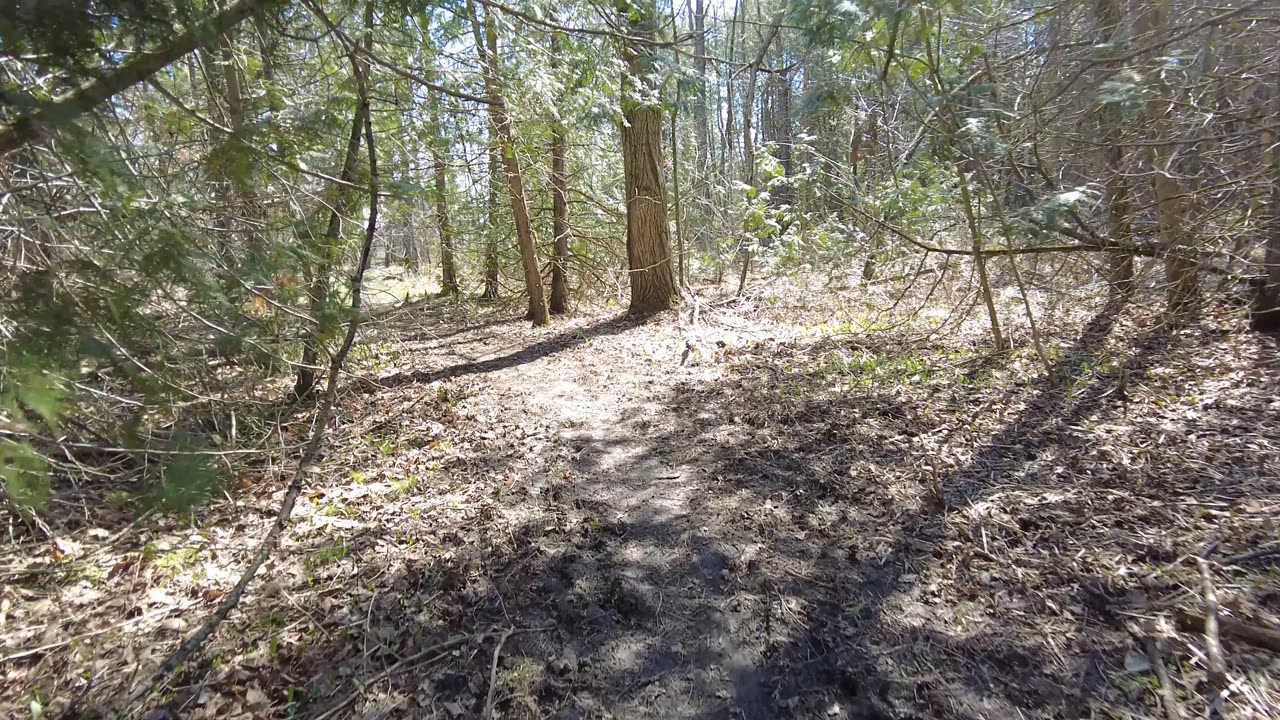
column 653, row 286
column 500, row 122
column 559, row 221
column 448, row 269
column 559, row 303
column 1173, row 205
column 702, row 137
column 1116, row 193
column 1266, row 311
column 329, row 250
column 491, row 241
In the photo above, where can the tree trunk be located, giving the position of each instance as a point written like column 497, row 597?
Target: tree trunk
column 491, row 266
column 240, row 196
column 1181, row 269
column 559, row 221
column 559, row 201
column 1116, row 193
column 702, row 130
column 748, row 141
column 330, row 247
column 500, row 122
column 675, row 158
column 448, row 270
column 729, row 131
column 653, row 286
column 1266, row 310
column 979, row 258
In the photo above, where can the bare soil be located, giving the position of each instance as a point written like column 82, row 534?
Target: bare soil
column 738, row 512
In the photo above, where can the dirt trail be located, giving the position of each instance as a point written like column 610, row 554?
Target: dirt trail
column 662, row 643
column 778, row 525
column 756, row 533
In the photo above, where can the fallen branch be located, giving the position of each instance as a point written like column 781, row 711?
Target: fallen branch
column 1167, row 698
column 493, row 674
column 403, row 664
column 1262, row 552
column 1212, row 643
column 1254, row 635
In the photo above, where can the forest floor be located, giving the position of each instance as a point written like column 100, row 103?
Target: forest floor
column 763, row 508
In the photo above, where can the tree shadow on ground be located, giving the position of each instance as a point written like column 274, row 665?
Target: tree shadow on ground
column 544, row 348
column 761, row 546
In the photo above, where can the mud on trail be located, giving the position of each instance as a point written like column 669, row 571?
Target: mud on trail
column 749, row 516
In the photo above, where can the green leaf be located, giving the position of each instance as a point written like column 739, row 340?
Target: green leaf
column 25, row 473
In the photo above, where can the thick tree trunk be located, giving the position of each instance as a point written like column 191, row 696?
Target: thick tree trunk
column 653, row 287
column 500, row 122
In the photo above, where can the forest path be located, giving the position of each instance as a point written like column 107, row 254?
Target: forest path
column 752, row 531
column 648, row 577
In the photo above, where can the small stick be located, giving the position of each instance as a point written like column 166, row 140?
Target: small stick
column 1264, row 551
column 1167, row 698
column 1244, row 632
column 437, row 648
column 493, row 674
column 1212, row 645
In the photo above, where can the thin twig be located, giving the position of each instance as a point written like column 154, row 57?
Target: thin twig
column 1262, row 552
column 1167, row 697
column 436, row 649
column 1212, row 644
column 493, row 674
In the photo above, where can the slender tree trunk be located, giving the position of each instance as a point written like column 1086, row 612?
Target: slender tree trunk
column 1266, row 311
column 653, row 287
column 675, row 157
column 559, row 221
column 1116, row 194
column 748, row 140
column 330, row 249
column 440, row 171
column 240, row 197
column 1181, row 269
column 979, row 259
column 730, row 132
column 702, row 124
column 500, row 121
column 491, row 266
column 559, row 201
column 448, row 269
